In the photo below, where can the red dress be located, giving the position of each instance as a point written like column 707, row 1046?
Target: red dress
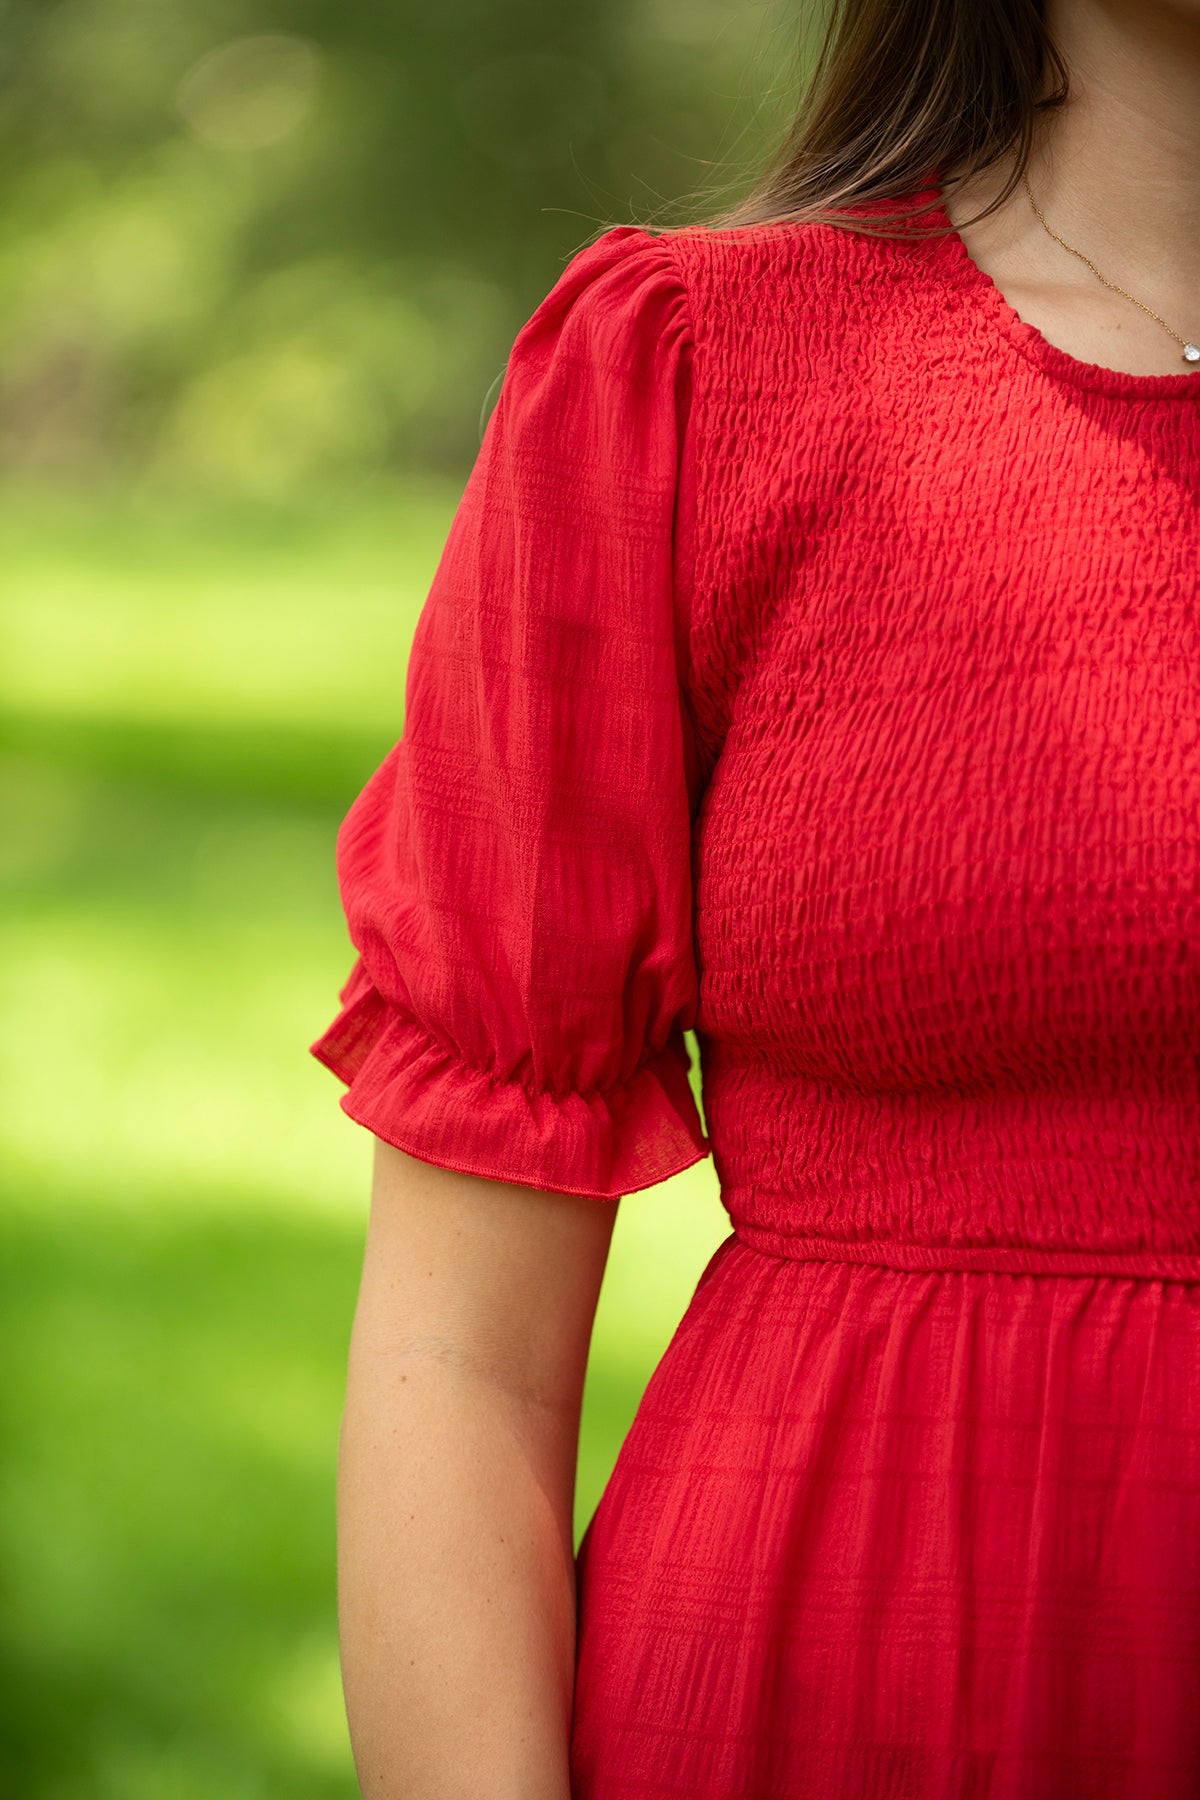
column 814, row 662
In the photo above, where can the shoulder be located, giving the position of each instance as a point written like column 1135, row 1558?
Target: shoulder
column 755, row 302
column 719, row 286
column 634, row 292
column 618, row 297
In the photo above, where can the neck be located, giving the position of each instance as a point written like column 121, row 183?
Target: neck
column 1115, row 170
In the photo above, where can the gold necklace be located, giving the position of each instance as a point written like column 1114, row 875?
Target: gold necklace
column 1191, row 352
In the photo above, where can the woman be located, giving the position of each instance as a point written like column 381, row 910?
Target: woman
column 813, row 661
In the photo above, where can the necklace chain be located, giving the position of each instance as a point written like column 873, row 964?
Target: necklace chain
column 1191, row 352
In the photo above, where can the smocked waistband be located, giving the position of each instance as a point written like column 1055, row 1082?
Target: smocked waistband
column 1013, row 1259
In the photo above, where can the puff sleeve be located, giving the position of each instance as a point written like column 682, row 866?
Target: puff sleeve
column 516, row 875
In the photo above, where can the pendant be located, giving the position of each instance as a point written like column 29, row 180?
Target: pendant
column 1191, row 353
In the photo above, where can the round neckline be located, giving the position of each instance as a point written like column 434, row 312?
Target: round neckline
column 951, row 250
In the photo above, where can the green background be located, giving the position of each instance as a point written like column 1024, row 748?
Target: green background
column 260, row 269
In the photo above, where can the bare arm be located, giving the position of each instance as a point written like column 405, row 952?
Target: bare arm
column 456, row 1482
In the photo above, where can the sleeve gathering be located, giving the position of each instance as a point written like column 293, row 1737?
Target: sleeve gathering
column 516, row 874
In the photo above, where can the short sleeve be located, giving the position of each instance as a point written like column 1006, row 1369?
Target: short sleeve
column 516, row 875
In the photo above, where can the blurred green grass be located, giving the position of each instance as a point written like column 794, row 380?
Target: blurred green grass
column 191, row 699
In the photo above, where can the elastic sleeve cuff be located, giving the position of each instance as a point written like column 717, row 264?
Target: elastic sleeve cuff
column 413, row 1093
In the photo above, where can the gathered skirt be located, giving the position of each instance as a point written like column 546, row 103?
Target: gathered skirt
column 881, row 1534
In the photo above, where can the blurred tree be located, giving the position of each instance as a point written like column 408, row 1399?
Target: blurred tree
column 278, row 251
column 261, row 245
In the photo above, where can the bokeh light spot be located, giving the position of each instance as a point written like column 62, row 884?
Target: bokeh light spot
column 252, row 92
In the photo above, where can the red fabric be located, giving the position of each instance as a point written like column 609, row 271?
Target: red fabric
column 516, row 874
column 814, row 662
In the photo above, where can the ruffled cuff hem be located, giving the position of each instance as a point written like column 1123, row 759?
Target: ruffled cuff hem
column 413, row 1093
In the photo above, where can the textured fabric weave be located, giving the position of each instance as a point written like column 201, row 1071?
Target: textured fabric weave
column 516, row 875
column 814, row 662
